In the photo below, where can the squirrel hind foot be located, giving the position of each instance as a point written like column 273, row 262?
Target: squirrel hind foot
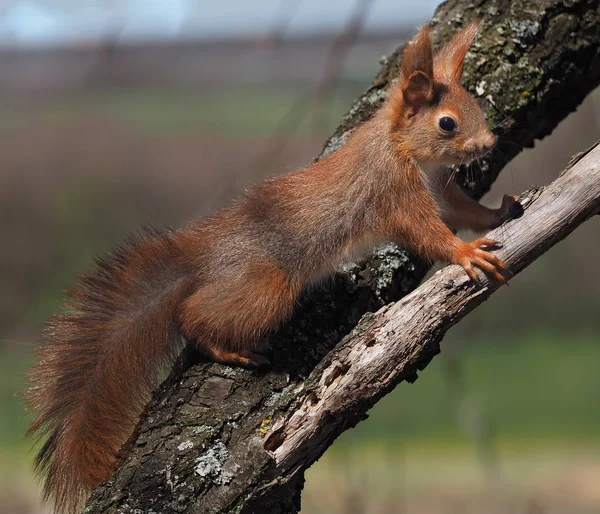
column 244, row 358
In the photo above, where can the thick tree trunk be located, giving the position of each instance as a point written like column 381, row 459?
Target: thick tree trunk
column 217, row 439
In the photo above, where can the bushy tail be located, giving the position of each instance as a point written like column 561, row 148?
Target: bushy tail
column 100, row 360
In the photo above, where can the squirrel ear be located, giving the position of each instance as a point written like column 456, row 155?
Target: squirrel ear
column 416, row 78
column 449, row 62
column 417, row 91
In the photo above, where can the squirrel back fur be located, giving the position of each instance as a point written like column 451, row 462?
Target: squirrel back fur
column 222, row 282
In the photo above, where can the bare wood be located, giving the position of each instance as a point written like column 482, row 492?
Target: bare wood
column 200, row 448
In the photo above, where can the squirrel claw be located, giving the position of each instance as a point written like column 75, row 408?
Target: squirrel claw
column 473, row 255
column 252, row 360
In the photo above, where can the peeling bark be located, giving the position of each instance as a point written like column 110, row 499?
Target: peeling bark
column 217, row 439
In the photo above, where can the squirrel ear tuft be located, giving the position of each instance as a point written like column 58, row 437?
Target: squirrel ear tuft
column 418, row 55
column 416, row 78
column 449, row 62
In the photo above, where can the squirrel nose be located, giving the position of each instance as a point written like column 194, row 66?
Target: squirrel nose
column 488, row 142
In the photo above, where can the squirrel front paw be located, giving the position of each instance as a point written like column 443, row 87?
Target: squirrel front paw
column 502, row 213
column 473, row 254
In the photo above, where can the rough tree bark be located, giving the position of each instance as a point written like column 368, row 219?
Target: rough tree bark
column 217, row 439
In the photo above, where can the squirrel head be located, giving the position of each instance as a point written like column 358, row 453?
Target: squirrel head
column 433, row 118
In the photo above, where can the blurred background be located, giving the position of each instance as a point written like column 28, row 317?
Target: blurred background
column 118, row 113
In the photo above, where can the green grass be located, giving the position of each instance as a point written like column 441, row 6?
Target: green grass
column 13, row 364
column 240, row 113
column 530, row 390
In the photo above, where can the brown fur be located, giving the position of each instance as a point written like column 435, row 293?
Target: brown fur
column 227, row 281
column 98, row 361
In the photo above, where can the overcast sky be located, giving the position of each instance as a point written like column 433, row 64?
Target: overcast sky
column 39, row 22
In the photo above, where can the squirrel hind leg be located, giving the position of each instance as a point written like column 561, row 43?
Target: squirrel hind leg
column 229, row 319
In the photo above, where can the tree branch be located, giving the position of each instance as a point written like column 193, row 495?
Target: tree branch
column 391, row 345
column 217, row 439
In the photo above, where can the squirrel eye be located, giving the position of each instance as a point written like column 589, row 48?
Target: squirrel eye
column 447, row 124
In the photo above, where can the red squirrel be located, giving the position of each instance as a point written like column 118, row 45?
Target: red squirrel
column 225, row 282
